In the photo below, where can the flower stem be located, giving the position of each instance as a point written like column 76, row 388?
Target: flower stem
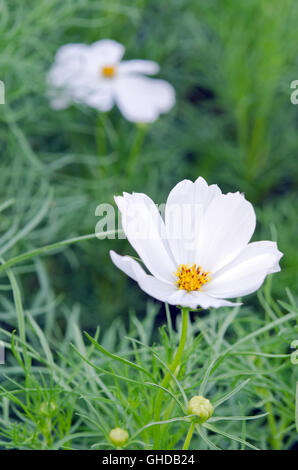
column 101, row 143
column 135, row 149
column 176, row 361
column 188, row 436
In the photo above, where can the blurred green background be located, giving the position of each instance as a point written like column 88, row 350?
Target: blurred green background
column 231, row 64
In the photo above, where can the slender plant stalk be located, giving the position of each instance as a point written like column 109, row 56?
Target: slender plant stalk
column 135, row 150
column 101, row 142
column 176, row 361
column 188, row 436
column 275, row 442
column 171, row 406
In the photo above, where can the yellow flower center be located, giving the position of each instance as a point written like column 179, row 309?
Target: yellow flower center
column 108, row 71
column 191, row 277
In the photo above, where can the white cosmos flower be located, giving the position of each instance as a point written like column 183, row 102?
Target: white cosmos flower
column 97, row 76
column 209, row 259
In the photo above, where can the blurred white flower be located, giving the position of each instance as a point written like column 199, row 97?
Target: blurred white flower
column 95, row 75
column 210, row 261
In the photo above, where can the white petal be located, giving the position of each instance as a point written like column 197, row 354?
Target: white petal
column 107, row 51
column 128, row 265
column 206, row 301
column 71, row 52
column 144, row 229
column 65, row 78
column 197, row 299
column 146, row 67
column 143, row 99
column 185, row 208
column 246, row 273
column 228, row 225
column 99, row 97
column 69, row 61
column 156, row 288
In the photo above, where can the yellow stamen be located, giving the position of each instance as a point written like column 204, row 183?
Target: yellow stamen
column 191, row 277
column 108, row 71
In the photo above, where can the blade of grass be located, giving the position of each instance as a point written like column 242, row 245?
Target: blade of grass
column 49, row 248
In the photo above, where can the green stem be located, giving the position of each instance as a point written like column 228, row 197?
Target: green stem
column 135, row 150
column 176, row 361
column 101, row 142
column 275, row 442
column 188, row 436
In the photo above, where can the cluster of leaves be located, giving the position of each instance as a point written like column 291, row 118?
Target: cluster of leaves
column 231, row 66
column 60, row 390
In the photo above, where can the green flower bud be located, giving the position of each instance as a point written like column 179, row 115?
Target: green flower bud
column 118, row 437
column 47, row 408
column 201, row 407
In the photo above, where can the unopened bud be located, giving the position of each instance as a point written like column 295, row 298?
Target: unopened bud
column 201, row 407
column 118, row 437
column 47, row 408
